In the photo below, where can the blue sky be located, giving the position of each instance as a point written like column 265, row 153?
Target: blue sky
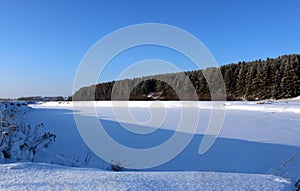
column 43, row 42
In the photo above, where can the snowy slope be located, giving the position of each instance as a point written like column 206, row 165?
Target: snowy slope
column 33, row 176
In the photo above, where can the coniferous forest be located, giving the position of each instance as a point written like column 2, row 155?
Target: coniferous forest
column 256, row 80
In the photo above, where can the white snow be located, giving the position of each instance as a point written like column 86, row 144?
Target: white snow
column 255, row 141
column 296, row 98
column 30, row 176
column 255, row 138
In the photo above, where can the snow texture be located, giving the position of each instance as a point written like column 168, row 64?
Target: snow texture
column 33, row 176
column 256, row 140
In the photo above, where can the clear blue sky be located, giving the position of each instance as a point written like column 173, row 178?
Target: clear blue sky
column 43, row 42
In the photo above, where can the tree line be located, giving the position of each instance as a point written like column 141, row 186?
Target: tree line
column 275, row 78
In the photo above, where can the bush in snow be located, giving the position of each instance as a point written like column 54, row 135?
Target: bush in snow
column 116, row 166
column 297, row 185
column 20, row 141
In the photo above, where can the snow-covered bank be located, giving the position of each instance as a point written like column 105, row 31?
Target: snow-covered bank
column 33, row 176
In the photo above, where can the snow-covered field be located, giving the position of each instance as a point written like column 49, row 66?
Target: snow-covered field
column 255, row 143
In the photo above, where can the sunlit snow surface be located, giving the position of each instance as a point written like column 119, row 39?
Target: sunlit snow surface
column 33, row 176
column 254, row 139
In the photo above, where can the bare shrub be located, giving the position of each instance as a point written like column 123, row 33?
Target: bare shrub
column 20, row 141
